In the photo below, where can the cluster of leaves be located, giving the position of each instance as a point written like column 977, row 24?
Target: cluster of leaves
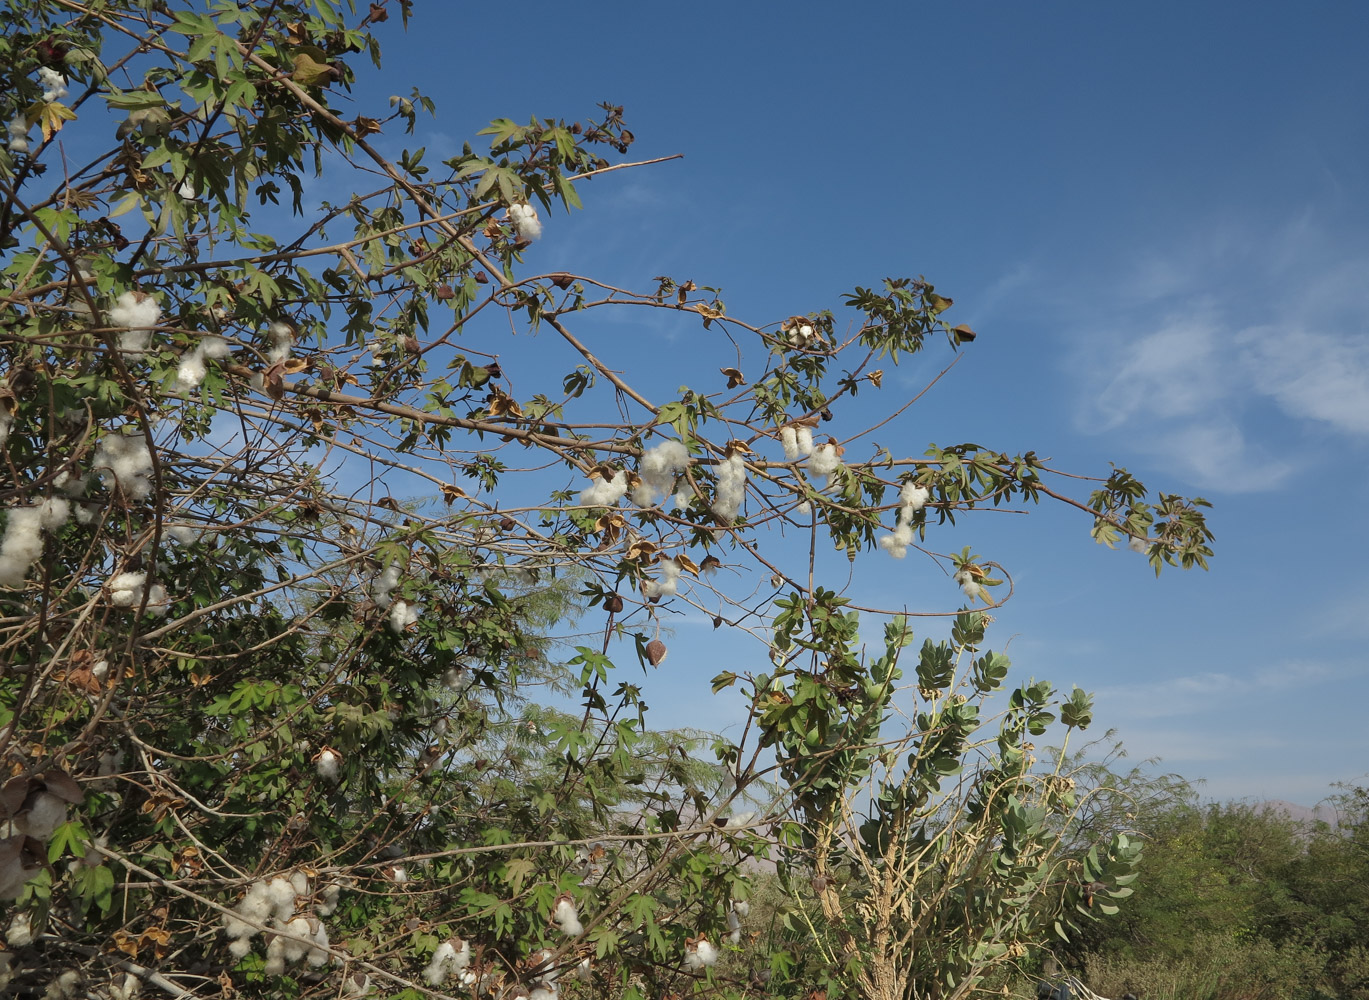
column 257, row 663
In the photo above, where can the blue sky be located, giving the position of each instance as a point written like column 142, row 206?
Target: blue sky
column 1157, row 218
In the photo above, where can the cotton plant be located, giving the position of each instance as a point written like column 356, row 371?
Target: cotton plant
column 402, row 615
column 700, row 953
column 911, row 499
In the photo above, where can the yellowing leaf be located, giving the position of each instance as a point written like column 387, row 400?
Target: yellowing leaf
column 52, row 117
column 311, row 67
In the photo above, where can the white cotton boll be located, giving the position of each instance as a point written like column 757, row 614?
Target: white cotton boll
column 707, row 953
column 734, row 927
column 282, row 895
column 731, row 487
column 182, row 533
column 603, row 493
column 54, row 84
column 912, row 497
column 138, row 313
column 585, row 970
column 454, row 679
column 186, row 190
column 18, row 127
column 971, row 590
column 328, row 900
column 126, row 460
column 789, row 438
column 275, row 957
column 65, row 987
column 127, row 988
column 126, row 589
column 804, row 509
column 191, row 372
column 741, row 907
column 21, row 545
column 357, row 985
column 566, row 917
column 437, row 970
column 896, row 544
column 402, row 615
column 292, row 950
column 1138, row 544
column 239, row 947
column 6, row 422
column 46, row 813
column 525, row 222
column 543, row 993
column 659, row 468
column 384, row 583
column 282, row 340
column 20, row 931
column 158, row 603
column 215, row 347
column 328, row 762
column 17, row 145
column 804, row 437
column 824, row 461
column 300, row 883
column 963, row 576
column 738, row 820
column 318, row 953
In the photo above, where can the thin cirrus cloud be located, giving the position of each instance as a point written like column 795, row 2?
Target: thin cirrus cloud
column 1207, row 391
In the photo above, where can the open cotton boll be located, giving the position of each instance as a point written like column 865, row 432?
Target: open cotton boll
column 54, row 84
column 603, row 493
column 126, row 589
column 239, row 947
column 896, row 544
column 327, row 763
column 215, row 347
column 138, row 313
column 804, row 436
column 971, row 590
column 402, row 615
column 275, row 957
column 659, row 468
column 6, row 422
column 824, row 461
column 731, row 488
column 22, row 543
column 127, row 461
column 525, row 222
column 282, row 340
column 20, row 931
column 190, row 372
column 912, row 498
column 566, row 917
column 1139, row 544
column 384, row 583
column 543, row 993
column 18, row 129
column 789, row 438
column 734, row 927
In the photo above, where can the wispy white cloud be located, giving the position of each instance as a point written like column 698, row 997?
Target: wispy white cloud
column 1232, row 329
